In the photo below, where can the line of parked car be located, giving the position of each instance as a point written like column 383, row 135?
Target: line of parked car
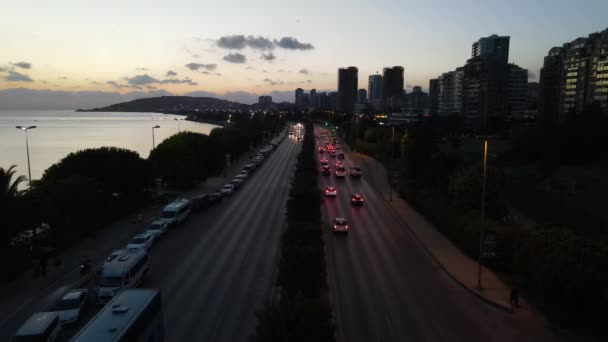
column 126, row 267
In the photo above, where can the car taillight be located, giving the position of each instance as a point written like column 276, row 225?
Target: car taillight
column 335, row 227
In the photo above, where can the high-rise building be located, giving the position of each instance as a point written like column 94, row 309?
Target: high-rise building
column 517, row 100
column 451, row 92
column 434, row 94
column 494, row 47
column 392, row 90
column 265, row 100
column 322, row 100
column 347, row 89
column 299, row 93
column 313, row 98
column 362, row 96
column 533, row 94
column 374, row 92
column 332, row 99
column 573, row 76
column 417, row 99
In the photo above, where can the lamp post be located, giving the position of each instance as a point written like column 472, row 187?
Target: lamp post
column 179, row 129
column 483, row 202
column 153, row 144
column 27, row 148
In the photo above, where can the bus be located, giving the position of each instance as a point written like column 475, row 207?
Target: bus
column 135, row 315
column 124, row 271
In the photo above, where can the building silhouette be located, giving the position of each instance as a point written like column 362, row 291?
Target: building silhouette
column 298, row 99
column 417, row 99
column 434, row 94
column 361, row 96
column 374, row 92
column 392, row 88
column 573, row 76
column 347, row 89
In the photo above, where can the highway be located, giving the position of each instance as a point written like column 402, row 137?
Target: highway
column 385, row 287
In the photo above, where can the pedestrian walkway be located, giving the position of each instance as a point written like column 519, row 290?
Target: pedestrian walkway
column 457, row 265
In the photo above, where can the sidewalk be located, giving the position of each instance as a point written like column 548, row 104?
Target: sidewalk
column 30, row 289
column 458, row 266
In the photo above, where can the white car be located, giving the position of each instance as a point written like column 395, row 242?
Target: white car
column 228, row 189
column 116, row 254
column 331, row 191
column 68, row 308
column 158, row 228
column 237, row 182
column 245, row 174
column 141, row 241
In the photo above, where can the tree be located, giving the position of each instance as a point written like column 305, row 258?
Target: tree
column 10, row 186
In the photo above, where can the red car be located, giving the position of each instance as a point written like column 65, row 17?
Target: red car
column 356, row 199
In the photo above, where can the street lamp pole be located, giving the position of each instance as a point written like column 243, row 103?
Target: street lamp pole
column 153, row 144
column 483, row 202
column 27, row 148
column 179, row 129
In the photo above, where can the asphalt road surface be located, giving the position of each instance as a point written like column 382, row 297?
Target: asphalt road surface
column 385, row 287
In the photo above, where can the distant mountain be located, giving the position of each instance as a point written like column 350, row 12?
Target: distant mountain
column 171, row 104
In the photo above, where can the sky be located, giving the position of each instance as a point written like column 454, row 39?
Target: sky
column 105, row 50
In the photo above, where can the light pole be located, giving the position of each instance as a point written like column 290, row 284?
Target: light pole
column 483, row 202
column 179, row 129
column 27, row 148
column 153, row 144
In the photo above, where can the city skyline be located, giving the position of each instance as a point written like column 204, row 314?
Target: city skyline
column 217, row 51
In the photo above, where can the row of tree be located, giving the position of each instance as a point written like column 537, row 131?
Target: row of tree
column 90, row 188
column 303, row 312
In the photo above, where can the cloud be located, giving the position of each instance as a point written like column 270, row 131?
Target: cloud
column 259, row 43
column 235, row 42
column 235, row 58
column 195, row 55
column 115, row 84
column 176, row 81
column 249, row 68
column 141, row 80
column 14, row 76
column 23, row 65
column 151, row 87
column 62, row 78
column 142, row 69
column 304, row 71
column 292, row 43
column 531, row 75
column 308, row 81
column 171, row 73
column 268, row 57
column 265, row 71
column 3, row 69
column 239, row 42
column 271, row 82
column 196, row 66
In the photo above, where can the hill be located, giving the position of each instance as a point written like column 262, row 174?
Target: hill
column 171, row 104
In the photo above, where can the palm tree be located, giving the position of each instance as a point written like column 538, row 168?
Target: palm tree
column 9, row 188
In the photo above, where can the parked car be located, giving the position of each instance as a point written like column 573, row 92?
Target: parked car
column 200, row 202
column 228, row 189
column 141, row 241
column 41, row 326
column 215, row 197
column 237, row 182
column 158, row 228
column 115, row 254
column 69, row 307
column 245, row 173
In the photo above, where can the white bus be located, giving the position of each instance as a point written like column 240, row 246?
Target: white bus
column 177, row 211
column 41, row 326
column 134, row 315
column 123, row 272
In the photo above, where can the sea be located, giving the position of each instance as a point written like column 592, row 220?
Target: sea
column 60, row 132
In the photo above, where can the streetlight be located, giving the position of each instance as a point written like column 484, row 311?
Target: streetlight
column 483, row 202
column 27, row 148
column 179, row 129
column 153, row 144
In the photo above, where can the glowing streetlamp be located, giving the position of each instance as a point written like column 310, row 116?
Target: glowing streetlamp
column 153, row 144
column 27, row 148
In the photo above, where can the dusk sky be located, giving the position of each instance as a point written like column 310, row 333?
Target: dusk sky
column 177, row 46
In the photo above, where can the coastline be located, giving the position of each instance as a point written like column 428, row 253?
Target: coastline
column 189, row 116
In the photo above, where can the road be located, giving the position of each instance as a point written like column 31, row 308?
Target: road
column 385, row 287
column 215, row 270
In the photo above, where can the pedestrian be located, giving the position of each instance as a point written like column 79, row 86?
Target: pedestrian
column 514, row 298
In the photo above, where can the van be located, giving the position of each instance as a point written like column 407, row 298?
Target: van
column 177, row 211
column 41, row 326
column 125, row 271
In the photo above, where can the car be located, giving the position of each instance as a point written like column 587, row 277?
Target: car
column 200, row 202
column 325, row 170
column 69, row 307
column 227, row 189
column 237, row 182
column 331, row 191
column 340, row 225
column 332, row 154
column 324, row 161
column 321, row 150
column 338, row 163
column 355, row 171
column 245, row 174
column 141, row 241
column 356, row 199
column 340, row 155
column 215, row 197
column 157, row 228
column 340, row 171
column 116, row 254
